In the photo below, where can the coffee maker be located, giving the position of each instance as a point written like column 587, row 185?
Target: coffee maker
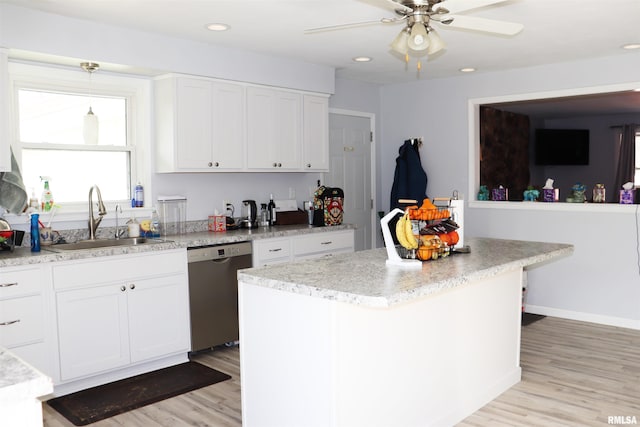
column 249, row 214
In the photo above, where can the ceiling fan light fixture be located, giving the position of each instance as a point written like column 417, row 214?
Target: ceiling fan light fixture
column 400, row 43
column 418, row 40
column 362, row 59
column 436, row 44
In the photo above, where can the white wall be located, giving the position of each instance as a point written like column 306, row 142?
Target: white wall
column 599, row 282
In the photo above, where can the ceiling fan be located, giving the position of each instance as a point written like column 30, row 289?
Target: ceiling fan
column 418, row 38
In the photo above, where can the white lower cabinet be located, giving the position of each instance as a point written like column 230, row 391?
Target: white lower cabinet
column 24, row 314
column 279, row 250
column 115, row 312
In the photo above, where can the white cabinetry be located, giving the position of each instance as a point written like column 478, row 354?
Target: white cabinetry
column 200, row 125
column 5, row 142
column 305, row 246
column 315, row 140
column 274, row 120
column 118, row 311
column 208, row 125
column 24, row 325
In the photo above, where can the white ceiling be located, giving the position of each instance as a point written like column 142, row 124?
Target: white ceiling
column 554, row 31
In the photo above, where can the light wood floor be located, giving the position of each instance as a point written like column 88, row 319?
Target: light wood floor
column 573, row 374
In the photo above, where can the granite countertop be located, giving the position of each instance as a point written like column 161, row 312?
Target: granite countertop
column 24, row 256
column 363, row 278
column 18, row 380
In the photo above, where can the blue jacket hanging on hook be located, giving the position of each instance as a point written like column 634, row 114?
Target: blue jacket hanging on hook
column 410, row 179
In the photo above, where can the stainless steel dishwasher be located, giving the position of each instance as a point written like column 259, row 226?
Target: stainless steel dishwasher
column 213, row 292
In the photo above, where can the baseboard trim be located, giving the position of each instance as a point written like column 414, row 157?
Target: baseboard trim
column 584, row 317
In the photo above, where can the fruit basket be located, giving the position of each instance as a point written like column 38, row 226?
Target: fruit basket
column 426, row 232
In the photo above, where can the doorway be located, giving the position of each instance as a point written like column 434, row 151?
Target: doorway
column 351, row 166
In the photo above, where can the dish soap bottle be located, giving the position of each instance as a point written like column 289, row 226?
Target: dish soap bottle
column 155, row 224
column 47, row 196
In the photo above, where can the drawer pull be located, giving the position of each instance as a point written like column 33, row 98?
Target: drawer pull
column 123, row 288
column 6, row 285
column 328, row 242
column 275, row 250
column 132, row 286
column 10, row 322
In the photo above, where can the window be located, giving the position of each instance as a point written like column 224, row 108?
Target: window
column 50, row 106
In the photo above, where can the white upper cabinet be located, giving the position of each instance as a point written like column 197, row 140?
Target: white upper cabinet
column 274, row 119
column 5, row 143
column 200, row 125
column 315, row 142
column 208, row 125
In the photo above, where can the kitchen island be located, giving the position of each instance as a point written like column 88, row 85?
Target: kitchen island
column 349, row 341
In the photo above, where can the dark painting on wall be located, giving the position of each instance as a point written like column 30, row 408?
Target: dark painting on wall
column 504, row 151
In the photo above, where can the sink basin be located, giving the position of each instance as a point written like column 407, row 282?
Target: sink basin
column 102, row 243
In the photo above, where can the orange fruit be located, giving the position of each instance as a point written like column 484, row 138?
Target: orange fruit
column 446, row 238
column 453, row 237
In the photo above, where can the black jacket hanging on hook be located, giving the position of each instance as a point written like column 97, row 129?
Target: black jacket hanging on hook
column 410, row 179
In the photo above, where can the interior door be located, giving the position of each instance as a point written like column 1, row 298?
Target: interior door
column 350, row 169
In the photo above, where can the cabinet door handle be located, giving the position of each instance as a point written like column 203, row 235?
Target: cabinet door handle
column 209, row 164
column 328, row 242
column 308, row 165
column 10, row 322
column 132, row 286
column 123, row 288
column 217, row 164
column 275, row 165
column 275, row 250
column 279, row 165
column 6, row 285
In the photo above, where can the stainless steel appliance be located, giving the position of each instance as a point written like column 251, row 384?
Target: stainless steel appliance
column 249, row 214
column 213, row 292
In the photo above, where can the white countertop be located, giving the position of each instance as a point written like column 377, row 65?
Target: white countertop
column 24, row 256
column 18, row 380
column 363, row 278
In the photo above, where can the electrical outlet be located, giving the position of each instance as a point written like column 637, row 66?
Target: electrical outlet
column 225, row 202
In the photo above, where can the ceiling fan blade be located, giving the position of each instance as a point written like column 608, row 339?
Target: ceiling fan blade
column 353, row 25
column 485, row 25
column 456, row 6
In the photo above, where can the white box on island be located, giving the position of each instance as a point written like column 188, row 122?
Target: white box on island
column 348, row 341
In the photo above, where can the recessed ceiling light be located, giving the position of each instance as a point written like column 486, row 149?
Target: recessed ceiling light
column 363, row 59
column 631, row 46
column 467, row 70
column 215, row 26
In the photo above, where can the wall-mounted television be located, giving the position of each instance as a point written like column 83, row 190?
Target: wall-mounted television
column 562, row 147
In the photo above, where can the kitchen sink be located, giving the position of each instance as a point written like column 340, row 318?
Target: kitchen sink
column 102, row 243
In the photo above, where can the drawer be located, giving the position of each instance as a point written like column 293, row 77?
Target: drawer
column 96, row 271
column 15, row 282
column 328, row 242
column 21, row 321
column 271, row 249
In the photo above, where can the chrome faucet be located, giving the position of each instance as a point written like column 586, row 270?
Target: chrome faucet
column 95, row 222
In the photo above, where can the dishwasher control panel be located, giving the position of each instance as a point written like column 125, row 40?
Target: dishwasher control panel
column 204, row 253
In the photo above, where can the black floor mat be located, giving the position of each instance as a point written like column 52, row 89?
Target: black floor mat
column 529, row 318
column 97, row 403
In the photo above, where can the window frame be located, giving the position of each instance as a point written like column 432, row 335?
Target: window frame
column 137, row 91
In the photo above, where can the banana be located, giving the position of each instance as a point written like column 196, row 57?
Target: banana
column 408, row 232
column 400, row 232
